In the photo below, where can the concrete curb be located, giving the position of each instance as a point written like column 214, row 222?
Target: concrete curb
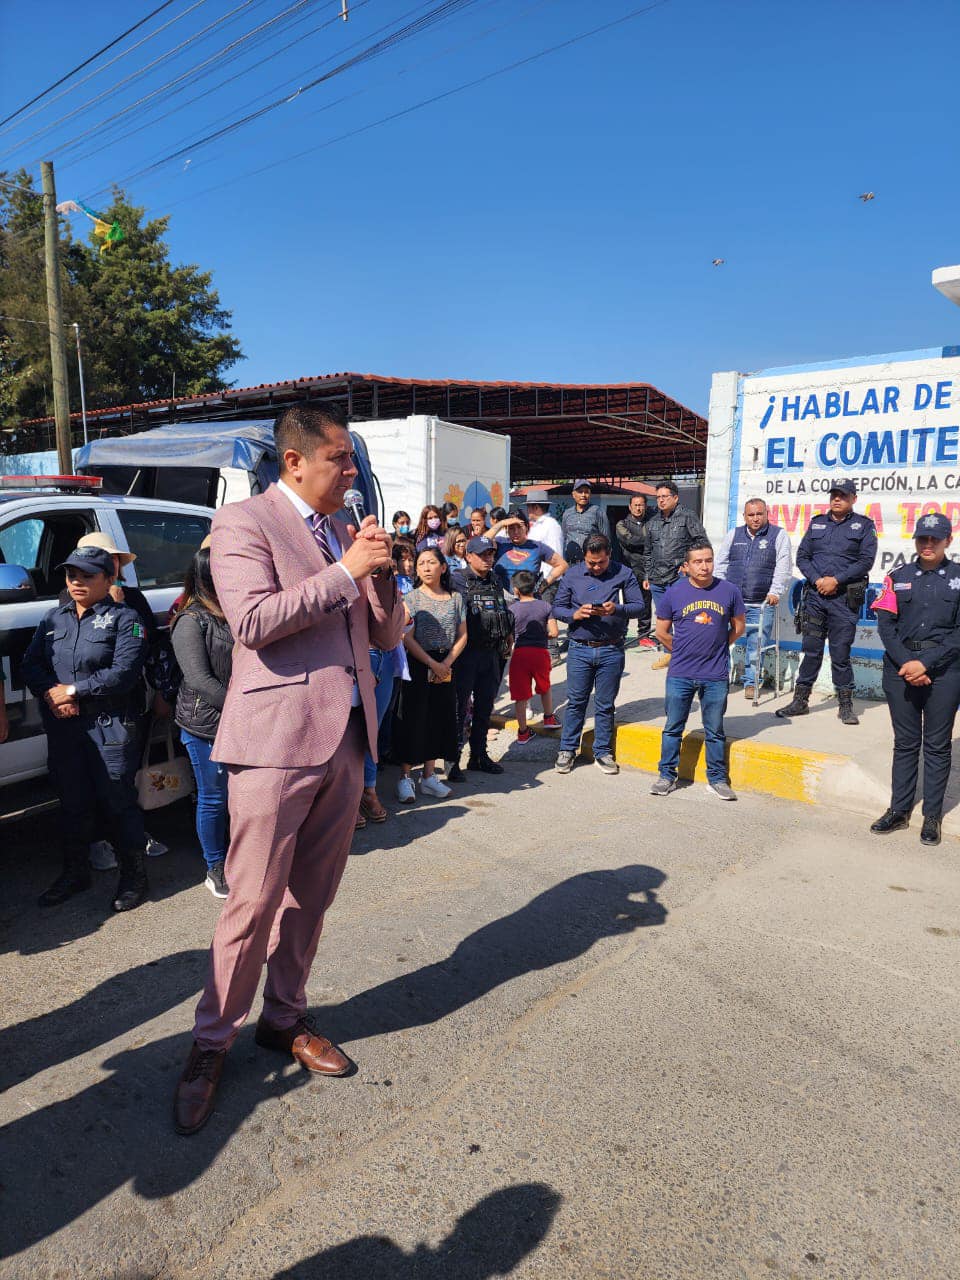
column 788, row 773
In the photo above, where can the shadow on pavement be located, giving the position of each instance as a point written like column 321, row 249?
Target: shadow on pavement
column 491, row 1239
column 112, row 1008
column 30, row 861
column 61, row 1160
column 557, row 926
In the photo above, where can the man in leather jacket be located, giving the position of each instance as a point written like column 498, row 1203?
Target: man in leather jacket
column 630, row 535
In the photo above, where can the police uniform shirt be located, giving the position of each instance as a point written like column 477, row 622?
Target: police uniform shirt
column 101, row 653
column 917, row 615
column 842, row 549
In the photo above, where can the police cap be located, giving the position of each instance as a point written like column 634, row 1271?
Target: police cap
column 478, row 546
column 90, row 560
column 844, row 486
column 933, row 526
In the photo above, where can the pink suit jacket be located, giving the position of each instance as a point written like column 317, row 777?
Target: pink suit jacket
column 303, row 632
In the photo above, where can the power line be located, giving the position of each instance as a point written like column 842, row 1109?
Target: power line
column 134, row 75
column 93, row 57
column 426, row 102
column 116, row 58
column 182, row 106
column 435, row 15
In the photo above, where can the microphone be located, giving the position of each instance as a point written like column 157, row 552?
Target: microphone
column 353, row 503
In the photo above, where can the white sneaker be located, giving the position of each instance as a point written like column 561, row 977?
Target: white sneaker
column 102, row 857
column 721, row 790
column 432, row 786
column 405, row 791
column 155, row 849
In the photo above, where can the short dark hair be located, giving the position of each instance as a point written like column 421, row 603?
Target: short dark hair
column 400, row 515
column 597, row 542
column 303, row 427
column 446, row 581
column 524, row 582
column 497, row 513
column 518, row 513
column 402, row 547
column 668, row 484
column 698, row 544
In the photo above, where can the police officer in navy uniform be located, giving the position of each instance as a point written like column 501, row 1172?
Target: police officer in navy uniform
column 917, row 621
column 835, row 556
column 85, row 663
column 479, row 669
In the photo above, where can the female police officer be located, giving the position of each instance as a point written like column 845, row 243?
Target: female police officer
column 917, row 621
column 84, row 663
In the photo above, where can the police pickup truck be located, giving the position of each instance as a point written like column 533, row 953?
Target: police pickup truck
column 41, row 520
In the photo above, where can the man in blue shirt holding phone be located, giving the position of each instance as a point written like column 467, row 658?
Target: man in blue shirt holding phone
column 596, row 599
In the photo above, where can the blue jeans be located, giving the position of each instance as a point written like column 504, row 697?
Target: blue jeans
column 382, row 666
column 598, row 670
column 211, row 797
column 752, row 641
column 713, row 703
column 655, row 594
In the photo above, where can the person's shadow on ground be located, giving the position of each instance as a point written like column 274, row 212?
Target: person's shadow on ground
column 61, row 1160
column 491, row 1239
column 558, row 925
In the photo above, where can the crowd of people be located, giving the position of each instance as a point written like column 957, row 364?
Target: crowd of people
column 303, row 652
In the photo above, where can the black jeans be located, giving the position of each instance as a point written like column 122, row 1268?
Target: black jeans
column 922, row 715
column 828, row 618
column 477, row 672
column 94, row 773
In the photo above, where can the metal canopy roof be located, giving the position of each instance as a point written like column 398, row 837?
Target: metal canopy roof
column 557, row 430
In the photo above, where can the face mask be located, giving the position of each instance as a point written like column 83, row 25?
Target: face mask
column 403, row 528
column 452, row 522
column 433, row 523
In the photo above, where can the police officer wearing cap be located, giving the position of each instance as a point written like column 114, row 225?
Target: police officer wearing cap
column 917, row 620
column 479, row 669
column 84, row 664
column 835, row 556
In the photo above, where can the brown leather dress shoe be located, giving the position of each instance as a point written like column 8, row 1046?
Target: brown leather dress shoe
column 197, row 1089
column 313, row 1051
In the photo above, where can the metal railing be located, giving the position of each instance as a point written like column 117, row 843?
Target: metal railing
column 772, row 646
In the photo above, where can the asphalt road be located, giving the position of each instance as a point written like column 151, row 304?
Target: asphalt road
column 598, row 1035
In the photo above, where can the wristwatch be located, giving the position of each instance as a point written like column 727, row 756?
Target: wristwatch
column 71, row 690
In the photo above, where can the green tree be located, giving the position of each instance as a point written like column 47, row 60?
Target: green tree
column 142, row 319
column 26, row 388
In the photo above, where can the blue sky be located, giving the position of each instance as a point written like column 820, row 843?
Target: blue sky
column 556, row 223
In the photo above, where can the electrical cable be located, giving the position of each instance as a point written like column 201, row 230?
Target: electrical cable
column 106, row 66
column 425, row 102
column 107, row 93
column 182, row 106
column 437, row 14
column 93, row 57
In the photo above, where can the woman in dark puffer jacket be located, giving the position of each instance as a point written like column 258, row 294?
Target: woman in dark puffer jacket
column 203, row 644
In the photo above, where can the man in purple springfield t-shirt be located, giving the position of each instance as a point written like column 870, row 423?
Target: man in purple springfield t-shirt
column 698, row 618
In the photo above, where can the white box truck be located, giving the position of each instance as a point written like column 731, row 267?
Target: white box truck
column 422, row 459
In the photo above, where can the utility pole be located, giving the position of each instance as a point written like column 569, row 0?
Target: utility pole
column 83, row 394
column 58, row 344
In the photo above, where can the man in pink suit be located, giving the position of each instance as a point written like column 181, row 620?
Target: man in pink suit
column 306, row 596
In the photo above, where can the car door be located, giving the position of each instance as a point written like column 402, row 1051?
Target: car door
column 164, row 540
column 38, row 535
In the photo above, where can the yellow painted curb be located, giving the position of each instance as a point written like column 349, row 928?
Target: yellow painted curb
column 790, row 773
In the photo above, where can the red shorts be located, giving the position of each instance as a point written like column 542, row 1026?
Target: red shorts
column 529, row 667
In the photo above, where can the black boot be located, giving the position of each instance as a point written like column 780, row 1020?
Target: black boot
column 800, row 705
column 73, row 879
column 845, row 711
column 892, row 820
column 930, row 831
column 132, row 886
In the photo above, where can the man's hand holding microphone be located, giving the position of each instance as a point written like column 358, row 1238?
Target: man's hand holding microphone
column 371, row 549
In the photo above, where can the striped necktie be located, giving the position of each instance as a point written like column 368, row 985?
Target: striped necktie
column 319, row 524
